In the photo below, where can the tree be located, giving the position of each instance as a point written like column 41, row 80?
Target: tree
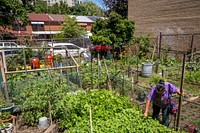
column 57, row 8
column 40, row 7
column 10, row 11
column 115, row 31
column 70, row 29
column 87, row 9
column 118, row 6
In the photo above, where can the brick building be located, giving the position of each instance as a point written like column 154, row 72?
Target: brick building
column 42, row 26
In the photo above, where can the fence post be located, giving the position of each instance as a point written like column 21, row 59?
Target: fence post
column 181, row 90
column 4, row 78
column 159, row 52
column 191, row 48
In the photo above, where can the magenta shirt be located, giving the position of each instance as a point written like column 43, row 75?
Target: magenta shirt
column 162, row 100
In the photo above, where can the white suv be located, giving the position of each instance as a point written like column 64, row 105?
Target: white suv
column 62, row 48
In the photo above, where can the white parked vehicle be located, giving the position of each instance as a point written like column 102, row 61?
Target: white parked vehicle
column 10, row 45
column 63, row 48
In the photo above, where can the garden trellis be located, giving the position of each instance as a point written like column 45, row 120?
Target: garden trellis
column 71, row 64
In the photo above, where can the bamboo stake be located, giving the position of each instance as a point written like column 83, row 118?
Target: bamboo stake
column 4, row 78
column 98, row 60
column 154, row 49
column 50, row 115
column 108, row 77
column 91, row 120
column 91, row 129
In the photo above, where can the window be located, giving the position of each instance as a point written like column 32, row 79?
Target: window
column 71, row 47
column 59, row 47
column 1, row 44
column 18, row 27
column 23, row 28
column 6, row 44
column 37, row 27
column 13, row 45
column 15, row 27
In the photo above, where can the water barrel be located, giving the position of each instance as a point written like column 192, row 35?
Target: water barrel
column 49, row 60
column 147, row 69
column 35, row 63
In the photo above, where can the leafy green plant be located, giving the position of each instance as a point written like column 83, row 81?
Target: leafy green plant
column 4, row 125
column 193, row 77
column 110, row 113
column 34, row 97
column 154, row 79
column 143, row 45
column 115, row 31
column 5, row 115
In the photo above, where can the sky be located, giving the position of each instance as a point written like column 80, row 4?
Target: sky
column 97, row 2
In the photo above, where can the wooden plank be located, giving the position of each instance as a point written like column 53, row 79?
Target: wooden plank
column 53, row 126
column 189, row 100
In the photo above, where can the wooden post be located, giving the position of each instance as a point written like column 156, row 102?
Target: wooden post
column 181, row 90
column 108, row 78
column 4, row 79
column 159, row 53
column 191, row 48
column 154, row 48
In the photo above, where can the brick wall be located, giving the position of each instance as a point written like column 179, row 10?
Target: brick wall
column 167, row 16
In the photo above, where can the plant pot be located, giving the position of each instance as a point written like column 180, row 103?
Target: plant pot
column 8, row 109
column 7, row 129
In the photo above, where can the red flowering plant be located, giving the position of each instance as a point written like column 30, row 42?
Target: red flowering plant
column 99, row 48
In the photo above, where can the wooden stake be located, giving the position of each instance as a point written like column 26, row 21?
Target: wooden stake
column 91, row 120
column 108, row 77
column 4, row 78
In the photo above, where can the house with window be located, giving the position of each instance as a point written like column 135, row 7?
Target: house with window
column 43, row 26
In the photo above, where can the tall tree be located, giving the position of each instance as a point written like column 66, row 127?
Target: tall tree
column 57, row 8
column 115, row 31
column 118, row 6
column 10, row 11
column 40, row 7
column 87, row 9
column 70, row 29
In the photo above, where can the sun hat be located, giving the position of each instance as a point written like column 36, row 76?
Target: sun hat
column 160, row 87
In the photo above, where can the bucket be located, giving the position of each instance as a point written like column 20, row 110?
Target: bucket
column 146, row 69
column 43, row 123
column 8, row 129
column 49, row 60
column 34, row 63
column 191, row 128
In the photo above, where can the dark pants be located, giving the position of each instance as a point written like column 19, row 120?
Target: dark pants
column 165, row 114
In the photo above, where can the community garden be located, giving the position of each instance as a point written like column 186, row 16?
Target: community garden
column 106, row 94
